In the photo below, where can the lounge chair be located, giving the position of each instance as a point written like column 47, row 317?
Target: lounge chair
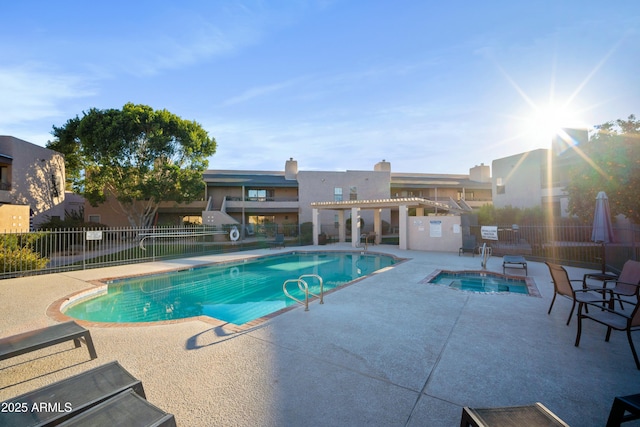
column 124, row 409
column 35, row 340
column 514, row 261
column 612, row 319
column 562, row 286
column 75, row 395
column 529, row 415
column 468, row 245
column 278, row 242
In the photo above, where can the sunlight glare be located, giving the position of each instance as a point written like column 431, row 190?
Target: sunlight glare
column 547, row 122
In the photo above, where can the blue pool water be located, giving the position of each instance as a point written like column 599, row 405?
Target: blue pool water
column 481, row 282
column 236, row 293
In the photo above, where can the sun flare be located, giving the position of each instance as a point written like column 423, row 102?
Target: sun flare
column 547, row 122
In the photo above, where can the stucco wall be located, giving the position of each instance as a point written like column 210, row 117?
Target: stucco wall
column 319, row 187
column 521, row 176
column 37, row 178
column 434, row 233
column 14, row 218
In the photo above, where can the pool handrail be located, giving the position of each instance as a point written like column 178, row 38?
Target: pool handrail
column 304, row 287
column 321, row 295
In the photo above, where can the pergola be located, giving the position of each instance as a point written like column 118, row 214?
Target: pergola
column 355, row 206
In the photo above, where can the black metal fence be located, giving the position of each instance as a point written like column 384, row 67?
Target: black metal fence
column 565, row 244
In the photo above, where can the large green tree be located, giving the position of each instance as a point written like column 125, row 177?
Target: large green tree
column 612, row 164
column 138, row 155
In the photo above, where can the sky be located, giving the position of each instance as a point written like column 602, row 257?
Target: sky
column 431, row 87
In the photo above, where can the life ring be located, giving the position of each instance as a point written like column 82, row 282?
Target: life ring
column 234, row 272
column 234, row 234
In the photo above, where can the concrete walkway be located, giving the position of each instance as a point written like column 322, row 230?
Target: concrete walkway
column 385, row 351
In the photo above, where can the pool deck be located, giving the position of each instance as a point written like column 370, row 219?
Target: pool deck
column 384, row 351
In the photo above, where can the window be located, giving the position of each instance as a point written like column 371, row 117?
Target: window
column 353, row 193
column 500, row 186
column 262, row 219
column 94, row 218
column 337, row 194
column 468, row 195
column 260, row 195
column 5, row 178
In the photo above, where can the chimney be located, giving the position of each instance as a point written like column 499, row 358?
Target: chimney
column 291, row 169
column 382, row 166
column 480, row 173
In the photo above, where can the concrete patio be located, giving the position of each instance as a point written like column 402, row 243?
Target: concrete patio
column 384, row 351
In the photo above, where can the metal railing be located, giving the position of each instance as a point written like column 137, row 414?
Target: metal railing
column 304, row 288
column 565, row 244
column 49, row 251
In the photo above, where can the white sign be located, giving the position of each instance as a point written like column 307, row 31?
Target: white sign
column 94, row 235
column 489, row 232
column 435, row 228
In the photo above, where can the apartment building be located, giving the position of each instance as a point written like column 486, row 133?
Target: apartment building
column 537, row 178
column 31, row 184
column 281, row 197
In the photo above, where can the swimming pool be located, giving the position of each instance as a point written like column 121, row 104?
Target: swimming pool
column 483, row 281
column 236, row 292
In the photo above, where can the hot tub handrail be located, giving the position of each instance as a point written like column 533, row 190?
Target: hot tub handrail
column 486, row 253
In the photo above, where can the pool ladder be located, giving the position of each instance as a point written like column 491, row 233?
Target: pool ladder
column 302, row 285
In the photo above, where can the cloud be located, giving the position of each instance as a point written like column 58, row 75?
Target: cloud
column 31, row 92
column 261, row 91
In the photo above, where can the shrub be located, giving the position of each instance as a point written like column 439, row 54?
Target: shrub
column 21, row 259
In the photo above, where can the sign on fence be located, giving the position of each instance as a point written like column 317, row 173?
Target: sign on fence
column 489, row 232
column 94, row 235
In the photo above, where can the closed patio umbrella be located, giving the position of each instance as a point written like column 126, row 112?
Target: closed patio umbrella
column 602, row 229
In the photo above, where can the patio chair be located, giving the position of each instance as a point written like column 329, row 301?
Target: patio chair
column 612, row 319
column 623, row 409
column 562, row 286
column 278, row 242
column 468, row 245
column 626, row 283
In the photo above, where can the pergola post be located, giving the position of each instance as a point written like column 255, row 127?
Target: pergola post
column 377, row 225
column 355, row 227
column 403, row 219
column 316, row 226
column 342, row 228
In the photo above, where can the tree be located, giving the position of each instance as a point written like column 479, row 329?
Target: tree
column 137, row 155
column 612, row 164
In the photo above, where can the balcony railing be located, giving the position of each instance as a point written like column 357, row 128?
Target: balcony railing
column 262, row 199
